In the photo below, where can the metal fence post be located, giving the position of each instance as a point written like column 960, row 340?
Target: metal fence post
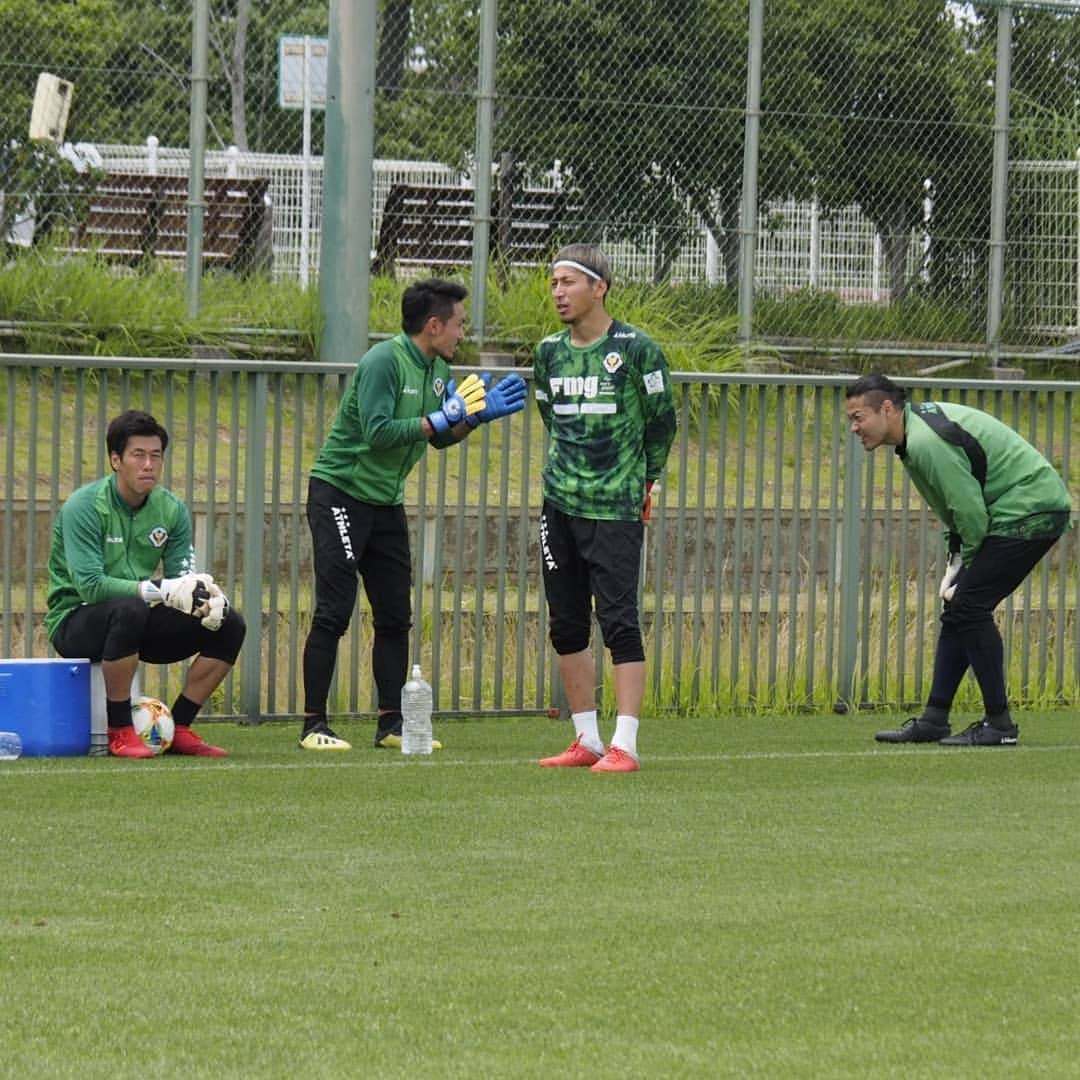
column 485, row 110
column 1000, row 184
column 199, row 79
column 254, row 543
column 748, row 213
column 849, row 571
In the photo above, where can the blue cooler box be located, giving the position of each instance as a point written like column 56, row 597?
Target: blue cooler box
column 48, row 703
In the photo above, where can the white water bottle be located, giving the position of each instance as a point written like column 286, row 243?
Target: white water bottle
column 416, row 706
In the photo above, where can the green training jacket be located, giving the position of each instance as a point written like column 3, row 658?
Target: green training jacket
column 1022, row 494
column 102, row 548
column 611, row 412
column 377, row 437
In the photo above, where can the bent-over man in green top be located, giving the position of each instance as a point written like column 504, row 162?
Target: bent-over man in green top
column 400, row 399
column 1003, row 506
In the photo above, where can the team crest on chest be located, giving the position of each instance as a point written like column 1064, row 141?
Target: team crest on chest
column 612, row 362
column 158, row 536
column 438, row 386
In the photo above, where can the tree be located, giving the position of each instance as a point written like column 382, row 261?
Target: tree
column 894, row 81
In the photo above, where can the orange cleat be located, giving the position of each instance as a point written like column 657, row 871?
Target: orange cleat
column 185, row 741
column 574, row 756
column 125, row 742
column 616, row 760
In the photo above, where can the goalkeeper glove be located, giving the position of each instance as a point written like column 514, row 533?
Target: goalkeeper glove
column 460, row 402
column 947, row 588
column 218, row 605
column 189, row 593
column 505, row 397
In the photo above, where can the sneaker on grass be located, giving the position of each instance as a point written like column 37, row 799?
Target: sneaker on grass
column 185, row 741
column 983, row 733
column 391, row 740
column 616, row 760
column 321, row 737
column 915, row 730
column 575, row 756
column 125, row 742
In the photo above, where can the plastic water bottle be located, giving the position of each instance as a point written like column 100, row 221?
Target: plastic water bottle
column 416, row 705
column 10, row 745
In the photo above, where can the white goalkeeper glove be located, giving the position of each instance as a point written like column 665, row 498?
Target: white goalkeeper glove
column 189, row 593
column 219, row 607
column 947, row 588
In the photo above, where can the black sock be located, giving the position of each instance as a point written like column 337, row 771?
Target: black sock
column 118, row 713
column 184, row 711
column 312, row 722
column 932, row 714
column 1001, row 720
column 389, row 722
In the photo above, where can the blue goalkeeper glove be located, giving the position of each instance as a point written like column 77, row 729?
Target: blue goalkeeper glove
column 460, row 402
column 505, row 397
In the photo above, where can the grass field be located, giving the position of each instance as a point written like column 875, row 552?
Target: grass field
column 765, row 898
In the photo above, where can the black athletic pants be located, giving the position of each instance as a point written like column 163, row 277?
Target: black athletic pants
column 969, row 636
column 355, row 541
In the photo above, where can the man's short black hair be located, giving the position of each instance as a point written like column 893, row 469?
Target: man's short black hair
column 422, row 299
column 877, row 388
column 134, row 422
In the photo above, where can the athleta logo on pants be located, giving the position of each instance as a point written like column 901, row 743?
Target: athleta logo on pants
column 549, row 559
column 341, row 519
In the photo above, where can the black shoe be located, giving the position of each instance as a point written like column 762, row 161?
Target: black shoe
column 390, row 739
column 983, row 733
column 915, row 730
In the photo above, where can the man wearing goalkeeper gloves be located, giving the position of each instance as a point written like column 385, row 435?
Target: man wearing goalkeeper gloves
column 1003, row 506
column 400, row 400
column 604, row 393
column 123, row 588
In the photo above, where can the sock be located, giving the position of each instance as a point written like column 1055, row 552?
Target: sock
column 935, row 715
column 184, row 711
column 313, row 721
column 588, row 731
column 118, row 713
column 625, row 737
column 389, row 722
column 1002, row 720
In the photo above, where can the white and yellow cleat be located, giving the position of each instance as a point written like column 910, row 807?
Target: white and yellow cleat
column 322, row 738
column 391, row 740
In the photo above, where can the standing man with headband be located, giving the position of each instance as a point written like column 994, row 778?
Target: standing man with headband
column 604, row 393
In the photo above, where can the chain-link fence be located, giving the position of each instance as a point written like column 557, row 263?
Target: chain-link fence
column 623, row 122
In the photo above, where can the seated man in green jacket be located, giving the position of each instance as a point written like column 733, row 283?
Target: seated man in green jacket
column 123, row 588
column 1003, row 506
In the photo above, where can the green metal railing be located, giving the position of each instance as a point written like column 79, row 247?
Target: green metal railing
column 784, row 569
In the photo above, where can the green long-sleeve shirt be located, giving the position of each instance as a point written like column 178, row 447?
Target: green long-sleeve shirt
column 102, row 547
column 377, row 437
column 1022, row 495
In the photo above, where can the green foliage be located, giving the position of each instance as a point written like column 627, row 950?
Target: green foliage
column 83, row 305
column 691, row 340
column 35, row 180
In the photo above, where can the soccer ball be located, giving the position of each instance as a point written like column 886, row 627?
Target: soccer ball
column 153, row 723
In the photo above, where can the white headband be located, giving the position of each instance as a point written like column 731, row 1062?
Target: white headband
column 578, row 266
